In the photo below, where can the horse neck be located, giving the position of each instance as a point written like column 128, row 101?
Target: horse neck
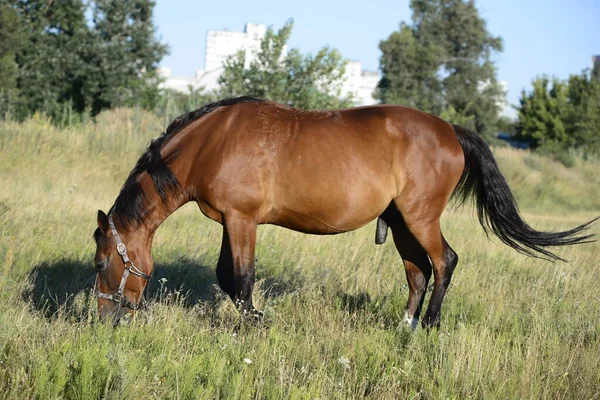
column 155, row 212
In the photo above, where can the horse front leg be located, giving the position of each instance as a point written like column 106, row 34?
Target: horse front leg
column 240, row 231
column 225, row 267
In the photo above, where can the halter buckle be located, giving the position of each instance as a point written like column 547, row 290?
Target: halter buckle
column 121, row 249
column 117, row 297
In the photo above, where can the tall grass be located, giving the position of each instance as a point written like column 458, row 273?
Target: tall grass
column 512, row 327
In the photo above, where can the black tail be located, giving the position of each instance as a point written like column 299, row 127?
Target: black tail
column 497, row 209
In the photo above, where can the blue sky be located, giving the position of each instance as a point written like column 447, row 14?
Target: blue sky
column 555, row 37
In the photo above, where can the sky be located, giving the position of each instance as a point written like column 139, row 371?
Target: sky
column 552, row 37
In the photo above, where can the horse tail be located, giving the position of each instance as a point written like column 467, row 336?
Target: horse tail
column 497, row 209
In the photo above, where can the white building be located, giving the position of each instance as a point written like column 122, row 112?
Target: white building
column 360, row 83
column 222, row 44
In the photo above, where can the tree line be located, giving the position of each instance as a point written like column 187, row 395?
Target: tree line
column 558, row 115
column 85, row 57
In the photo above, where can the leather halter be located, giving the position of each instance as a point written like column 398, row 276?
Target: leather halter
column 130, row 268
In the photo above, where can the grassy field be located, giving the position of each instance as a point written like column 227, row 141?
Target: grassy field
column 512, row 327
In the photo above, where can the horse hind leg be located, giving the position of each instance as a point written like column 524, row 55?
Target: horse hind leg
column 421, row 213
column 444, row 261
column 416, row 265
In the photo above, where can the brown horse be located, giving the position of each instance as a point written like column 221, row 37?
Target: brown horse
column 246, row 162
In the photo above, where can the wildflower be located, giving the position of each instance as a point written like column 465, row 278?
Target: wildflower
column 344, row 362
column 248, row 361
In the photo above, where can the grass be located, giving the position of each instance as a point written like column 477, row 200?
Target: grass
column 512, row 327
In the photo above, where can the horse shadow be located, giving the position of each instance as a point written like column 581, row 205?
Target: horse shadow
column 65, row 287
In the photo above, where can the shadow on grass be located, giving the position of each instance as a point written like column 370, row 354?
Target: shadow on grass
column 386, row 311
column 63, row 289
column 275, row 284
column 353, row 303
column 65, row 286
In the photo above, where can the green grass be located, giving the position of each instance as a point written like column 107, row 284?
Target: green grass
column 512, row 327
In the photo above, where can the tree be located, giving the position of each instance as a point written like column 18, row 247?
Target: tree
column 11, row 40
column 125, row 54
column 564, row 116
column 584, row 114
column 66, row 61
column 410, row 72
column 305, row 81
column 48, row 59
column 442, row 63
column 542, row 114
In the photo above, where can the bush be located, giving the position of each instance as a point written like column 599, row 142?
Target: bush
column 559, row 153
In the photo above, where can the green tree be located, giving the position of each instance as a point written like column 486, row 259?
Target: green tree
column 584, row 114
column 410, row 72
column 11, row 40
column 470, row 83
column 542, row 114
column 124, row 54
column 48, row 61
column 66, row 62
column 442, row 63
column 564, row 116
column 305, row 81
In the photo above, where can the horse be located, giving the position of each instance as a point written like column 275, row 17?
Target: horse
column 247, row 161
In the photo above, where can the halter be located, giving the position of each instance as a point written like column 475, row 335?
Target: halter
column 118, row 297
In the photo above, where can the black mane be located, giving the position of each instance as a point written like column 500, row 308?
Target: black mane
column 130, row 205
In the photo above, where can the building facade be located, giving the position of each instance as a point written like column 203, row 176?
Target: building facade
column 221, row 44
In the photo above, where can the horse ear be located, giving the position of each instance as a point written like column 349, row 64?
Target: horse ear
column 103, row 222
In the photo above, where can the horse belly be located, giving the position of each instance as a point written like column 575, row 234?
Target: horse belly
column 329, row 204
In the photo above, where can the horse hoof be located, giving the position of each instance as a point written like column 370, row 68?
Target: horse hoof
column 410, row 321
column 430, row 323
column 251, row 319
column 257, row 314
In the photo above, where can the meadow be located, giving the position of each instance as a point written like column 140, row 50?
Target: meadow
column 512, row 326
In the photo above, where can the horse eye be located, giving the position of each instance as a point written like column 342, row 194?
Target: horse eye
column 100, row 264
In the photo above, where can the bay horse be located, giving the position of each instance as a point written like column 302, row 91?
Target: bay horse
column 246, row 161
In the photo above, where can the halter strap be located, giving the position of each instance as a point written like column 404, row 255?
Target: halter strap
column 130, row 268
